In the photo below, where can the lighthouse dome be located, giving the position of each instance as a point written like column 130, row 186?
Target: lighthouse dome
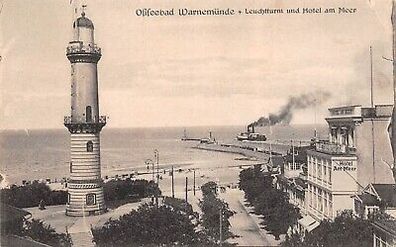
column 83, row 21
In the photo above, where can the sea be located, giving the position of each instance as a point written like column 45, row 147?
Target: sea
column 45, row 153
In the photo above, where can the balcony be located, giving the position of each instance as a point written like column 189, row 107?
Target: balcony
column 333, row 148
column 80, row 125
column 79, row 52
column 69, row 120
column 79, row 47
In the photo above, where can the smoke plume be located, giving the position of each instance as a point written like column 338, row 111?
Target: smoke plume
column 285, row 114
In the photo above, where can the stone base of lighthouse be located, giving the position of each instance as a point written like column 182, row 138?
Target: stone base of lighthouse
column 85, row 187
column 85, row 200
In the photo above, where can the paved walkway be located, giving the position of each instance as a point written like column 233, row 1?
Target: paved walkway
column 78, row 227
column 246, row 225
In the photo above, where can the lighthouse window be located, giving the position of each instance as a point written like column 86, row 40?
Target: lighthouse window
column 88, row 115
column 71, row 167
column 89, row 146
column 91, row 199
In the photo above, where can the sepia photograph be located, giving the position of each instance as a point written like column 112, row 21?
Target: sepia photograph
column 197, row 123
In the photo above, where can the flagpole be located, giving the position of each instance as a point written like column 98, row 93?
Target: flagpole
column 74, row 5
column 371, row 78
column 270, row 147
column 393, row 120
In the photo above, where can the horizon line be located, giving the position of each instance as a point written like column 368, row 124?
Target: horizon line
column 152, row 127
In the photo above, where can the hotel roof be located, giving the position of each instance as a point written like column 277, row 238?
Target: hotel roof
column 386, row 193
column 357, row 112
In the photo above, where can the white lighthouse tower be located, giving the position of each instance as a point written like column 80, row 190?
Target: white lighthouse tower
column 85, row 187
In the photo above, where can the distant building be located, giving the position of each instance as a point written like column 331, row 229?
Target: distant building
column 355, row 155
column 274, row 164
column 293, row 177
column 376, row 197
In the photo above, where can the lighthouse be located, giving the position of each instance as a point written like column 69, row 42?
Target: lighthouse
column 85, row 185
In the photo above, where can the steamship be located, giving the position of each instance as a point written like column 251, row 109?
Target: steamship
column 250, row 135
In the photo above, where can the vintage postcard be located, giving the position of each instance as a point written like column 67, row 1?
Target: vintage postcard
column 197, row 123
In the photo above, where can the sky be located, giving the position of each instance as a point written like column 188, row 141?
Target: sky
column 192, row 71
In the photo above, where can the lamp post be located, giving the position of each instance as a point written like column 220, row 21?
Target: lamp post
column 194, row 181
column 156, row 157
column 221, row 226
column 218, row 190
column 186, row 190
column 150, row 162
column 173, row 184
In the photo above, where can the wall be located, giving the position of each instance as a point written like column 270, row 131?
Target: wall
column 380, row 172
column 344, row 173
column 342, row 202
column 84, row 87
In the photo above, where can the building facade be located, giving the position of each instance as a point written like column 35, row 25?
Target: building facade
column 384, row 234
column 356, row 154
column 376, row 198
column 85, row 186
column 293, row 177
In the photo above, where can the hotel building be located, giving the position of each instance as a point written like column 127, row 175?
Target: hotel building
column 355, row 155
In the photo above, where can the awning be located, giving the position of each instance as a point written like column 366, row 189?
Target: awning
column 308, row 223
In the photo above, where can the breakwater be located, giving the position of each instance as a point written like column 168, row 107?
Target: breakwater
column 246, row 149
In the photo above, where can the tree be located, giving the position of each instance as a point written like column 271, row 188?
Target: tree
column 345, row 230
column 180, row 205
column 150, row 226
column 273, row 204
column 34, row 229
column 31, row 195
column 212, row 207
column 283, row 217
column 293, row 240
column 37, row 230
column 209, row 188
column 123, row 189
column 253, row 182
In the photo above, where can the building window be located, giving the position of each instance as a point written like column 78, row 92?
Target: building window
column 320, row 198
column 329, row 173
column 330, row 206
column 68, row 198
column 314, row 169
column 315, row 198
column 325, row 202
column 320, row 170
column 89, row 146
column 71, row 167
column 91, row 199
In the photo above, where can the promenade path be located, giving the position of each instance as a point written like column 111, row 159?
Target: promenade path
column 78, row 227
column 246, row 225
